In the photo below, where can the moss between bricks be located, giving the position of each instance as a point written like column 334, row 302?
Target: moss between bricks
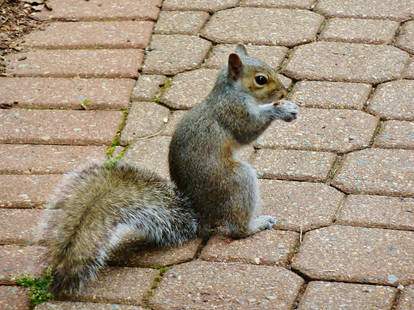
column 162, row 270
column 162, row 90
column 38, row 287
column 117, row 138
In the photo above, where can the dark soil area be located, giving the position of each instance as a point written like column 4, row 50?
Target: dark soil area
column 16, row 19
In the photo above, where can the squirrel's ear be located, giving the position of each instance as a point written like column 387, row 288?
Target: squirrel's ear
column 241, row 50
column 235, row 66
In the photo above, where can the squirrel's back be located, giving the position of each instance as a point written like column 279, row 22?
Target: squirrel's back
column 102, row 206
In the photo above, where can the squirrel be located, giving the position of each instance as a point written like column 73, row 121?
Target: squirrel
column 105, row 204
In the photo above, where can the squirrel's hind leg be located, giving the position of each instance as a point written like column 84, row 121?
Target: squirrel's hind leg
column 244, row 220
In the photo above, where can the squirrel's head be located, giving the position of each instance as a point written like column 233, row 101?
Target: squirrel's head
column 254, row 76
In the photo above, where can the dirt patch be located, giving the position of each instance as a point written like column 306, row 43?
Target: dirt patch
column 16, row 19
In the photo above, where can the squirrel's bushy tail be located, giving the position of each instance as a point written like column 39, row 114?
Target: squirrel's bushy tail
column 101, row 207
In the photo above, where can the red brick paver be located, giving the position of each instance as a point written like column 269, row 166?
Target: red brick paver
column 15, row 261
column 23, row 226
column 330, row 295
column 270, row 247
column 246, row 25
column 295, row 208
column 59, row 127
column 76, row 63
column 102, row 9
column 359, row 30
column 14, row 298
column 347, row 62
column 52, row 93
column 46, row 159
column 23, row 191
column 127, row 34
column 377, row 211
column 322, row 130
column 356, row 254
column 300, row 4
column 120, row 285
column 151, row 153
column 186, row 22
column 331, row 95
column 406, row 301
column 394, row 10
column 144, row 119
column 201, row 285
column 293, row 164
column 66, row 305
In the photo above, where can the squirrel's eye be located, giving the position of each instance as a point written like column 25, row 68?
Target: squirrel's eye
column 261, row 79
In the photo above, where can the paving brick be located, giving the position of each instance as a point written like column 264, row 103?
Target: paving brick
column 204, row 5
column 14, row 298
column 147, row 87
column 24, row 191
column 321, row 130
column 346, row 62
column 66, row 93
column 150, row 153
column 377, row 211
column 67, row 305
column 293, row 206
column 171, row 54
column 331, row 295
column 293, row 164
column 249, row 25
column 272, row 55
column 355, row 254
column 18, row 260
column 396, row 134
column 286, row 82
column 173, row 120
column 114, row 286
column 125, row 34
column 144, row 119
column 181, row 93
column 158, row 256
column 378, row 9
column 76, row 63
column 45, row 159
column 59, row 127
column 245, row 153
column 270, row 247
column 378, row 172
column 206, row 285
column 393, row 100
column 180, row 22
column 359, row 30
column 409, row 72
column 406, row 301
column 330, row 95
column 23, row 226
column 292, row 4
column 102, row 9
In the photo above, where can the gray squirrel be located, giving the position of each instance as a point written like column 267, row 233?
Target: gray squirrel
column 211, row 188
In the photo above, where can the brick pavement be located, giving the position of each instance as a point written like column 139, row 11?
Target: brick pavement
column 339, row 180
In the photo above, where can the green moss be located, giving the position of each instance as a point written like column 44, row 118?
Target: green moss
column 85, row 103
column 111, row 162
column 157, row 98
column 38, row 287
column 117, row 138
column 157, row 279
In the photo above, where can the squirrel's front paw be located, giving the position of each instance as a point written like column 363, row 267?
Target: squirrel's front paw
column 265, row 222
column 286, row 110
